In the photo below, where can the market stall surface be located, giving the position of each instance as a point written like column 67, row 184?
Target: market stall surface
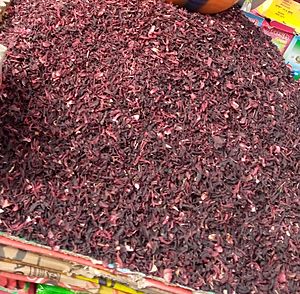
column 167, row 142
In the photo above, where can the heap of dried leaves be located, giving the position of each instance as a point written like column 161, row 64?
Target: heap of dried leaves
column 168, row 142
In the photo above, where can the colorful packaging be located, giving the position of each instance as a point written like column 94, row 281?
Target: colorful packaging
column 281, row 34
column 49, row 289
column 284, row 24
column 256, row 19
column 292, row 55
column 283, row 11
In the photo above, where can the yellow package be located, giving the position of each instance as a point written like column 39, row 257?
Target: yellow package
column 284, row 11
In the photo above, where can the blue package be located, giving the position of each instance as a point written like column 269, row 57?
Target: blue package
column 257, row 20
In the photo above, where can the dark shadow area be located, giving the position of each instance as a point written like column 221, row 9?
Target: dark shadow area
column 14, row 99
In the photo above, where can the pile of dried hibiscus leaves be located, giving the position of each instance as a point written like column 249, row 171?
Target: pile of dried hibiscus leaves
column 168, row 142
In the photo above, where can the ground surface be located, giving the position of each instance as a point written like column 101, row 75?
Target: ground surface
column 137, row 133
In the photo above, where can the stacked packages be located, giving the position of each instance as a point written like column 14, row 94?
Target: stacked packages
column 279, row 19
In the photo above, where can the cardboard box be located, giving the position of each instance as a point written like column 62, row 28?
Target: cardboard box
column 30, row 262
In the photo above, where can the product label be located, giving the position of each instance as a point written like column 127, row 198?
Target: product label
column 281, row 35
column 283, row 11
column 292, row 55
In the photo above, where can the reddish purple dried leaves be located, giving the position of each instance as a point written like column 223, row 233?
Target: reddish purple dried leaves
column 138, row 133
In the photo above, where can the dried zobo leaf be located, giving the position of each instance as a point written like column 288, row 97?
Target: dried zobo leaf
column 164, row 141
